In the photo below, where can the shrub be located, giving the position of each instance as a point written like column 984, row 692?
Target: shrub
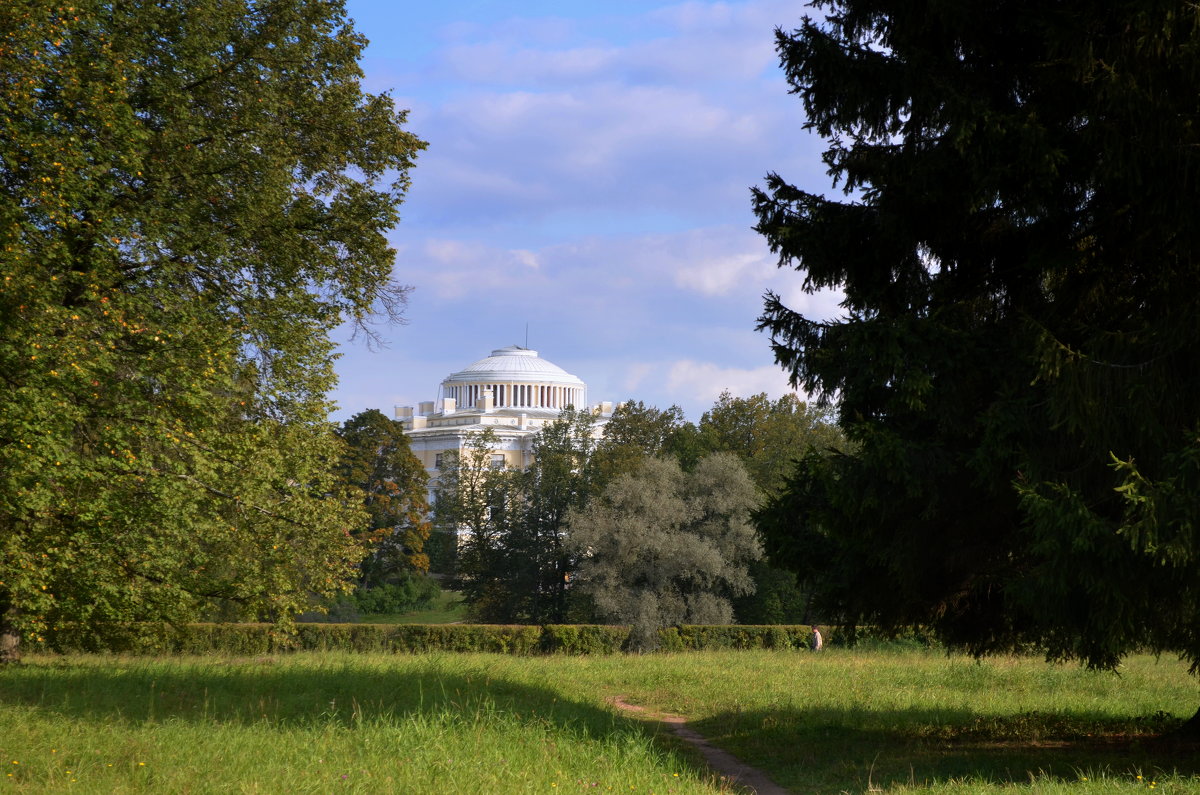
column 868, row 637
column 413, row 593
column 582, row 638
column 250, row 639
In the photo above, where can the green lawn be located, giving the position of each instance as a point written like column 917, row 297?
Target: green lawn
column 830, row 722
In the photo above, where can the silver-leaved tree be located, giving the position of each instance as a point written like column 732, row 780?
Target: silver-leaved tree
column 661, row 546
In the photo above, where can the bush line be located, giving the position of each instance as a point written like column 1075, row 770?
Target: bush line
column 242, row 639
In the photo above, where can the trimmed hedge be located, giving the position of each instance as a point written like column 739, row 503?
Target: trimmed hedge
column 583, row 639
column 249, row 639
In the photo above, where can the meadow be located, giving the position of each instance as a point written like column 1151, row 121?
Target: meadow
column 839, row 721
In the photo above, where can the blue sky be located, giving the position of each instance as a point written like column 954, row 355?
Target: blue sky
column 588, row 174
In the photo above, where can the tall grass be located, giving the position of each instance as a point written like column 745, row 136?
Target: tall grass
column 312, row 723
column 830, row 722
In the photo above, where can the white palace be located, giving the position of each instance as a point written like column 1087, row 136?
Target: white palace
column 514, row 392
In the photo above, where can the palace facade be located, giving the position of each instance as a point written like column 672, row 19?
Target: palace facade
column 513, row 391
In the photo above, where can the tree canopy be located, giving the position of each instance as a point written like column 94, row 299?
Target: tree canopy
column 192, row 195
column 768, row 435
column 513, row 564
column 634, row 432
column 1016, row 358
column 378, row 460
column 661, row 546
column 474, row 504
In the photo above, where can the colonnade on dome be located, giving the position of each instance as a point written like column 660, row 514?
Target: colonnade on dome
column 517, row 395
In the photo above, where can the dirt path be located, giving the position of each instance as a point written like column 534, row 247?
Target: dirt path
column 722, row 762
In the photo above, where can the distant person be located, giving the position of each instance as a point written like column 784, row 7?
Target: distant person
column 816, row 642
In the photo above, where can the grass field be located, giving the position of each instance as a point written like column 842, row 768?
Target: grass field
column 833, row 722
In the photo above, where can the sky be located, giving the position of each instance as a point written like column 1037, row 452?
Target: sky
column 586, row 193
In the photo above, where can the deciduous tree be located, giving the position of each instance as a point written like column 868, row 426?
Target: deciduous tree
column 474, row 503
column 514, row 564
column 1016, row 359
column 192, row 195
column 768, row 435
column 662, row 547
column 635, row 432
column 379, row 461
column 558, row 481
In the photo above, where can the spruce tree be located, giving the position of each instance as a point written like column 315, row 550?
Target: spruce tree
column 1016, row 358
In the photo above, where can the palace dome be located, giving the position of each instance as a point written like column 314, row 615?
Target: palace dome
column 513, row 363
column 517, row 378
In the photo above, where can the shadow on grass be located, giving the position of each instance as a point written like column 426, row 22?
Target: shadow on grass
column 831, row 750
column 282, row 693
column 805, row 750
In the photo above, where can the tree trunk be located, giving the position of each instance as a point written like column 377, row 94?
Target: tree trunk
column 10, row 639
column 1188, row 730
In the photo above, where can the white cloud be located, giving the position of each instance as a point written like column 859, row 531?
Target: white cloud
column 693, row 381
column 725, row 15
column 530, row 119
column 495, row 62
column 695, row 277
column 458, row 269
column 635, row 375
column 688, row 42
column 526, row 258
column 821, row 305
column 720, row 275
column 570, row 146
column 588, row 174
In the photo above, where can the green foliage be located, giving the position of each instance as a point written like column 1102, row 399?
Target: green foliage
column 635, row 432
column 472, row 505
column 663, row 547
column 742, row 636
column 411, row 593
column 556, row 483
column 583, row 638
column 512, row 563
column 192, row 196
column 158, row 638
column 768, row 434
column 338, row 609
column 379, row 461
column 777, row 597
column 1015, row 361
